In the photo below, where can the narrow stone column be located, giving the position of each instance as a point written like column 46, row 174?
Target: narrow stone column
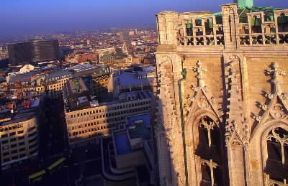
column 236, row 160
column 230, row 19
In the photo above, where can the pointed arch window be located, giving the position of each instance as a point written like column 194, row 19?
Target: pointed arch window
column 211, row 174
column 277, row 147
column 209, row 138
column 277, row 140
column 209, row 150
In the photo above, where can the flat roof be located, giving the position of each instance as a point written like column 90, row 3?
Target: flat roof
column 132, row 78
column 122, row 143
column 146, row 118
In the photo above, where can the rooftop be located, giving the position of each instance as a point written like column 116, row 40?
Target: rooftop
column 122, row 143
column 130, row 79
column 13, row 111
column 58, row 74
column 77, row 86
column 82, row 67
column 140, row 126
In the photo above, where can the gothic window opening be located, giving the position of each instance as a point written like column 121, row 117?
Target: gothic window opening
column 180, row 37
column 282, row 22
column 198, row 22
column 277, row 161
column 256, row 24
column 209, row 139
column 209, row 150
column 189, row 29
column 211, row 175
column 206, row 175
column 189, row 33
column 219, row 19
column 209, row 26
column 269, row 16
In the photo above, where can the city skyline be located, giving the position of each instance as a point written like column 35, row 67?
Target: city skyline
column 20, row 18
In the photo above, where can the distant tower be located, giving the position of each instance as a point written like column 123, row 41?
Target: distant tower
column 124, row 48
column 244, row 3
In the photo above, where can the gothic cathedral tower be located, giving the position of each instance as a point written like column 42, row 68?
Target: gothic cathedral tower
column 223, row 97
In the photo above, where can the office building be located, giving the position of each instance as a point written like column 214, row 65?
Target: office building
column 33, row 51
column 18, row 132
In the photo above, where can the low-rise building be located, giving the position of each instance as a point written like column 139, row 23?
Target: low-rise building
column 87, row 124
column 89, row 117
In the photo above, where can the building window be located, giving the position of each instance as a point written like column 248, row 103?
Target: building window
column 277, row 161
column 22, row 149
column 6, row 160
column 209, row 150
column 14, row 158
column 4, row 135
column 32, row 128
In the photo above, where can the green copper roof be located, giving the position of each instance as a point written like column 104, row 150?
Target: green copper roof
column 244, row 3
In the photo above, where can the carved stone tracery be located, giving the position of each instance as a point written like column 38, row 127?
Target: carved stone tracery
column 237, row 129
column 280, row 136
column 275, row 106
column 200, row 99
column 209, row 125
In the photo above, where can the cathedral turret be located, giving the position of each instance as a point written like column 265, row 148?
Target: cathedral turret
column 244, row 3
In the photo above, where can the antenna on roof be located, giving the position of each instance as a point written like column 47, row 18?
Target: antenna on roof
column 244, row 3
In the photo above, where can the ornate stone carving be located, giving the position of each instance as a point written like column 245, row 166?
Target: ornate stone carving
column 237, row 129
column 200, row 100
column 280, row 136
column 212, row 165
column 237, row 134
column 275, row 106
column 270, row 182
column 200, row 73
column 277, row 111
column 275, row 72
column 209, row 125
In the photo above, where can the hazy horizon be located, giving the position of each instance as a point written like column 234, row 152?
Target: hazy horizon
column 24, row 17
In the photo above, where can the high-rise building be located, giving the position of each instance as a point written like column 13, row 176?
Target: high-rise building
column 223, row 114
column 45, row 50
column 20, row 53
column 33, row 51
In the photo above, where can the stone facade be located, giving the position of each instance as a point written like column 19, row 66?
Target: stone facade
column 223, row 109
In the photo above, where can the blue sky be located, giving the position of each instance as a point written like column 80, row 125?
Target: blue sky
column 19, row 17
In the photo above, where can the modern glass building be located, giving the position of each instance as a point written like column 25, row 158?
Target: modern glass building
column 33, row 51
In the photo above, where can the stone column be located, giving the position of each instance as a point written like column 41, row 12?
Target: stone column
column 230, row 20
column 169, row 73
column 236, row 164
column 166, row 25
